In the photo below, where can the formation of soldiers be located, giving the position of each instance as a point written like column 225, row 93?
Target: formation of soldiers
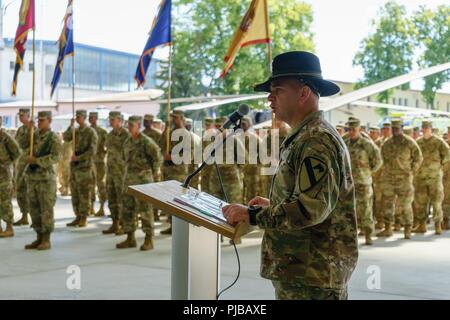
column 400, row 176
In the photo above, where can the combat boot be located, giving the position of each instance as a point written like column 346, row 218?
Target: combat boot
column 167, row 231
column 23, row 221
column 407, row 232
column 368, row 234
column 34, row 244
column 130, row 242
column 387, row 232
column 379, row 225
column 74, row 223
column 112, row 229
column 148, row 243
column 101, row 211
column 83, row 222
column 9, row 232
column 119, row 230
column 1, row 229
column 361, row 232
column 91, row 210
column 397, row 227
column 438, row 228
column 421, row 228
column 446, row 224
column 45, row 243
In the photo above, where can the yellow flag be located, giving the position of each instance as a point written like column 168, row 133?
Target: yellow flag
column 254, row 29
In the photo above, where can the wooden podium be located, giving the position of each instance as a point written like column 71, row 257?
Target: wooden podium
column 195, row 241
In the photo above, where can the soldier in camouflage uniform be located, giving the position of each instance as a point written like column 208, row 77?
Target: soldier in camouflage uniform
column 310, row 245
column 82, row 176
column 155, row 135
column 340, row 128
column 366, row 159
column 208, row 170
column 23, row 139
column 402, row 158
column 63, row 167
column 409, row 131
column 115, row 170
column 250, row 171
column 41, row 177
column 170, row 170
column 143, row 157
column 99, row 165
column 416, row 133
column 9, row 152
column 428, row 181
column 446, row 180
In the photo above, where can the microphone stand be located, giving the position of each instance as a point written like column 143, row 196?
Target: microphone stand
column 212, row 155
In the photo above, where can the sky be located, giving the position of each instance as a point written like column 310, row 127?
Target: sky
column 339, row 26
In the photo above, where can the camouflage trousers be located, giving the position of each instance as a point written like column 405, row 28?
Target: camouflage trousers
column 232, row 184
column 132, row 208
column 6, row 191
column 42, row 195
column 114, row 191
column 174, row 172
column 446, row 203
column 364, row 200
column 428, row 191
column 290, row 291
column 99, row 173
column 81, row 182
column 251, row 181
column 63, row 170
column 21, row 185
column 397, row 188
column 377, row 201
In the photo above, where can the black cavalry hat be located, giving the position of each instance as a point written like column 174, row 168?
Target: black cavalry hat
column 304, row 66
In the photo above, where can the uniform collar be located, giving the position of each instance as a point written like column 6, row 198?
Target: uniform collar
column 295, row 131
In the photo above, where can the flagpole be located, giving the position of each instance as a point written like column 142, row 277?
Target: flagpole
column 169, row 93
column 33, row 93
column 269, row 49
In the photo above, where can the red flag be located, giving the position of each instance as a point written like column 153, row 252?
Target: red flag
column 26, row 23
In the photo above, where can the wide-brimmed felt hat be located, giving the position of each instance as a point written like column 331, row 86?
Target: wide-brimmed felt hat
column 302, row 65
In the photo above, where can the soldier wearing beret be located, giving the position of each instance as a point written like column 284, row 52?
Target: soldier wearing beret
column 310, row 247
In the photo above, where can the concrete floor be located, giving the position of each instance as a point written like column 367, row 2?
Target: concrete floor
column 417, row 269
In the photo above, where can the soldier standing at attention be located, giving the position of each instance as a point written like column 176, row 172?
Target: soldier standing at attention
column 63, row 167
column 170, row 170
column 210, row 131
column 428, row 181
column 143, row 157
column 115, row 170
column 23, row 139
column 366, row 159
column 310, row 244
column 374, row 133
column 446, row 179
column 9, row 152
column 99, row 164
column 41, row 179
column 402, row 158
column 82, row 176
column 340, row 128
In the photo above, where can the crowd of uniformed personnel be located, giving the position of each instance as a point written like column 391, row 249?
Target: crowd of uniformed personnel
column 401, row 174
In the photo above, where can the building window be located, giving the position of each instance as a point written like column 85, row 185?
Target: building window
column 30, row 67
column 12, row 65
column 417, row 103
column 393, row 100
column 405, row 102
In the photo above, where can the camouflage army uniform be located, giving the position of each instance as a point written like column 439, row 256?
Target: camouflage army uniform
column 402, row 158
column 99, row 165
column 42, row 181
column 115, row 171
column 63, row 168
column 207, row 169
column 143, row 158
column 156, row 137
column 9, row 152
column 377, row 191
column 366, row 159
column 428, row 181
column 23, row 139
column 250, row 171
column 310, row 247
column 82, row 176
column 446, row 203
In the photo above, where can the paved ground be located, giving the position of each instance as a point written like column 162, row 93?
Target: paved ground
column 417, row 269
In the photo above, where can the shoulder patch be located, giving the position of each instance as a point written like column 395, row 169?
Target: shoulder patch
column 312, row 172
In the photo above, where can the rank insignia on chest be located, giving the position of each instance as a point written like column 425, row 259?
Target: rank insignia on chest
column 312, row 172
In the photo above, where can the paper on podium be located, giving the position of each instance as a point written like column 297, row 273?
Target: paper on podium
column 204, row 203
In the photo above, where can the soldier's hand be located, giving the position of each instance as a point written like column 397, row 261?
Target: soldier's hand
column 259, row 201
column 31, row 160
column 235, row 213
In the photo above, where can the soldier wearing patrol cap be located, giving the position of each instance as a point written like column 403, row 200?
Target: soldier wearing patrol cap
column 374, row 133
column 157, row 124
column 41, row 178
column 409, row 131
column 208, row 171
column 115, row 170
column 99, row 164
column 428, row 181
column 23, row 139
column 310, row 247
column 209, row 123
column 446, row 180
column 170, row 170
column 9, row 152
column 366, row 159
column 402, row 158
column 82, row 176
column 416, row 133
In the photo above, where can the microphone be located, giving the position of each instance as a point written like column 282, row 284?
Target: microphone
column 241, row 112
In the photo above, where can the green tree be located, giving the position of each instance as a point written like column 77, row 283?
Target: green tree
column 433, row 37
column 203, row 30
column 389, row 51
